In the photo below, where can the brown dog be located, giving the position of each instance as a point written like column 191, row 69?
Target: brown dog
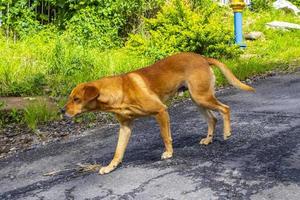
column 144, row 91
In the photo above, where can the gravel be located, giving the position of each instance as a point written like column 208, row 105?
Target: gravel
column 18, row 137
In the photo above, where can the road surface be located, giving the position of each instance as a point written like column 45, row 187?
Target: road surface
column 260, row 161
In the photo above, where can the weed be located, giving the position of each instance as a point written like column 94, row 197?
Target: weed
column 16, row 115
column 38, row 112
column 90, row 117
column 2, row 104
column 13, row 116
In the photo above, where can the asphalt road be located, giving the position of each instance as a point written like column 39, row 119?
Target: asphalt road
column 260, row 161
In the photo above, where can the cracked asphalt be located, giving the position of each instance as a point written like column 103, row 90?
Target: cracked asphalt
column 260, row 161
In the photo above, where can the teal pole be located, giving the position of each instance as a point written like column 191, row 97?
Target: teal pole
column 238, row 29
column 238, row 6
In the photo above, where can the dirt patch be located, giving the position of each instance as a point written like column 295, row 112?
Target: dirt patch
column 20, row 103
column 18, row 137
column 15, row 135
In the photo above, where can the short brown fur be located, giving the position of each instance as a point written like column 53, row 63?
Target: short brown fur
column 144, row 92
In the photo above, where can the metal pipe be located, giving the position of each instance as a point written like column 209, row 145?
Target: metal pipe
column 238, row 6
column 238, row 27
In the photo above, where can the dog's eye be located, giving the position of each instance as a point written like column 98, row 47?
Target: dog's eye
column 76, row 99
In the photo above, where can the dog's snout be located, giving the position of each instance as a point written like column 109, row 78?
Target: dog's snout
column 63, row 110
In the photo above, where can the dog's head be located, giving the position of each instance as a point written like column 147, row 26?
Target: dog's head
column 83, row 98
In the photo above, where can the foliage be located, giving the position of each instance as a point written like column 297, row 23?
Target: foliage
column 104, row 23
column 90, row 27
column 21, row 67
column 47, row 62
column 179, row 28
column 38, row 112
column 70, row 64
column 96, row 23
column 201, row 3
column 12, row 116
column 2, row 104
column 19, row 18
column 296, row 2
column 16, row 115
column 33, row 85
column 258, row 5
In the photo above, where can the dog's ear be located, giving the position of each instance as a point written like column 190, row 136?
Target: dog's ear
column 90, row 92
column 103, row 98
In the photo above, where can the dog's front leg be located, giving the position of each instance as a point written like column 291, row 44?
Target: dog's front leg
column 124, row 135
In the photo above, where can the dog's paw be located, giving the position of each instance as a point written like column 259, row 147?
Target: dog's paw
column 105, row 170
column 166, row 155
column 227, row 135
column 206, row 141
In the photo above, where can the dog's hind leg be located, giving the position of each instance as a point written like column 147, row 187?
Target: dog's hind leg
column 203, row 94
column 211, row 122
column 163, row 120
column 210, row 102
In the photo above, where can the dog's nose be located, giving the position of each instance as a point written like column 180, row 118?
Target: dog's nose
column 63, row 110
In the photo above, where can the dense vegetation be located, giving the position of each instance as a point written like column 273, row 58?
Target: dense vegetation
column 179, row 27
column 96, row 23
column 57, row 52
column 48, row 46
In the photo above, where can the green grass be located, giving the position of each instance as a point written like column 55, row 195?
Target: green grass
column 278, row 49
column 33, row 114
column 2, row 104
column 30, row 66
column 39, row 112
column 277, row 44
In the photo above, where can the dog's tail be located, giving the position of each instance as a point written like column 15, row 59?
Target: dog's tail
column 229, row 75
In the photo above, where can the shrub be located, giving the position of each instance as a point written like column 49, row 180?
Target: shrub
column 259, row 5
column 89, row 28
column 21, row 19
column 179, row 28
column 104, row 24
column 295, row 2
column 11, row 116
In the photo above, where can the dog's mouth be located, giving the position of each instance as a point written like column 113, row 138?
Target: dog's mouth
column 67, row 115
